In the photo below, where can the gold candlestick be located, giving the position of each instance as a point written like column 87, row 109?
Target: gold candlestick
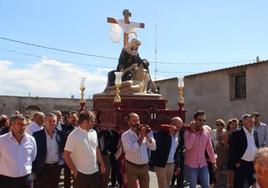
column 180, row 93
column 118, row 82
column 82, row 89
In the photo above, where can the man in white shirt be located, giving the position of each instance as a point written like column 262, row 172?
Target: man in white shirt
column 163, row 158
column 243, row 147
column 17, row 152
column 59, row 119
column 136, row 144
column 49, row 143
column 37, row 123
column 82, row 154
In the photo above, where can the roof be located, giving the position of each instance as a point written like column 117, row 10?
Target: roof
column 167, row 79
column 228, row 68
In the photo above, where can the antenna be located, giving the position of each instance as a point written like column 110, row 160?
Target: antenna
column 155, row 53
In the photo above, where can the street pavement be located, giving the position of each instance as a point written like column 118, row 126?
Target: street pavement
column 153, row 182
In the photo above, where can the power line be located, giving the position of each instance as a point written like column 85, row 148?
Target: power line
column 61, row 60
column 96, row 66
column 203, row 63
column 113, row 58
column 57, row 49
column 76, row 63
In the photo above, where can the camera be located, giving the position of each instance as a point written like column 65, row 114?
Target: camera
column 140, row 126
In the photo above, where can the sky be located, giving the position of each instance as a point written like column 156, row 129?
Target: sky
column 179, row 38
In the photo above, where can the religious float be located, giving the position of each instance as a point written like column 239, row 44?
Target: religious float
column 130, row 88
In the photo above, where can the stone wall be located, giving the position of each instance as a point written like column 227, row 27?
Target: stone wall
column 26, row 105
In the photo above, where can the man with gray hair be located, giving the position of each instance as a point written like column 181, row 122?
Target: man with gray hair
column 37, row 123
column 243, row 147
column 261, row 168
column 261, row 129
column 17, row 152
column 49, row 143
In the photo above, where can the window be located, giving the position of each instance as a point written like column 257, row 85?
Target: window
column 238, row 84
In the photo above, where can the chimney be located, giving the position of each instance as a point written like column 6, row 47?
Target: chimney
column 257, row 59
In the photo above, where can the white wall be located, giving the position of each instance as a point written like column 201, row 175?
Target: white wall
column 211, row 93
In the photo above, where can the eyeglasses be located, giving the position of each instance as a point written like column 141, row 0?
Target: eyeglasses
column 201, row 120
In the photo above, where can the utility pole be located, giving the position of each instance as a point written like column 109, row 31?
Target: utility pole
column 155, row 53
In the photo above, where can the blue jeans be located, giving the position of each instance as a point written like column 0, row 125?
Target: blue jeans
column 195, row 174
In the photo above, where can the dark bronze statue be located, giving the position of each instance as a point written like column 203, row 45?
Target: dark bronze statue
column 136, row 77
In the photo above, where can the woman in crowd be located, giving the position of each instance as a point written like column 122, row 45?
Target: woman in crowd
column 217, row 138
column 232, row 125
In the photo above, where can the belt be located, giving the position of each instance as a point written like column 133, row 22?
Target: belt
column 51, row 165
column 12, row 178
column 245, row 162
column 137, row 165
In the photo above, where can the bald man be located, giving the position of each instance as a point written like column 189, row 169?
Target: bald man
column 37, row 123
column 163, row 158
column 261, row 168
column 136, row 144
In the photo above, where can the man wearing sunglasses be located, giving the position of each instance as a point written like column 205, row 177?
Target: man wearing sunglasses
column 197, row 140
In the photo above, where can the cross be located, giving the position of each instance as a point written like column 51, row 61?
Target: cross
column 126, row 15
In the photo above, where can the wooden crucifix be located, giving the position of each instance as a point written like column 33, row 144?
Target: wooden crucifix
column 126, row 15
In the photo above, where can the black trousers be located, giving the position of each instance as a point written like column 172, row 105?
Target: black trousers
column 21, row 182
column 67, row 176
column 49, row 177
column 115, row 172
column 243, row 175
column 87, row 180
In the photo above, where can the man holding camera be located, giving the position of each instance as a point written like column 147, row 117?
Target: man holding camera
column 136, row 142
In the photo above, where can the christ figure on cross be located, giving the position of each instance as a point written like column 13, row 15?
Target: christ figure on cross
column 125, row 25
column 129, row 59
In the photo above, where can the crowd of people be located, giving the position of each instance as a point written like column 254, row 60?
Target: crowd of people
column 34, row 152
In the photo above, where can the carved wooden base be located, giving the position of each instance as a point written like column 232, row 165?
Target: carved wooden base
column 151, row 109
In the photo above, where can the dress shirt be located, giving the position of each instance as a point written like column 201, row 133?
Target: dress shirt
column 52, row 149
column 173, row 147
column 257, row 185
column 83, row 146
column 215, row 136
column 251, row 146
column 134, row 152
column 195, row 146
column 262, row 131
column 33, row 127
column 16, row 159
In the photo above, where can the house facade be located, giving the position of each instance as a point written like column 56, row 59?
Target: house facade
column 223, row 93
column 228, row 92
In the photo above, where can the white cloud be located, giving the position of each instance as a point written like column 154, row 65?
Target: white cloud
column 49, row 78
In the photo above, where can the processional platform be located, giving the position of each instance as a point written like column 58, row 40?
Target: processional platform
column 151, row 108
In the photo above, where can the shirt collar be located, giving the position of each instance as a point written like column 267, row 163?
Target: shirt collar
column 36, row 124
column 247, row 132
column 133, row 132
column 83, row 130
column 257, row 185
column 11, row 136
column 54, row 133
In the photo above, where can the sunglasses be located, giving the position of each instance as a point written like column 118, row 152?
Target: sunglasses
column 201, row 120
